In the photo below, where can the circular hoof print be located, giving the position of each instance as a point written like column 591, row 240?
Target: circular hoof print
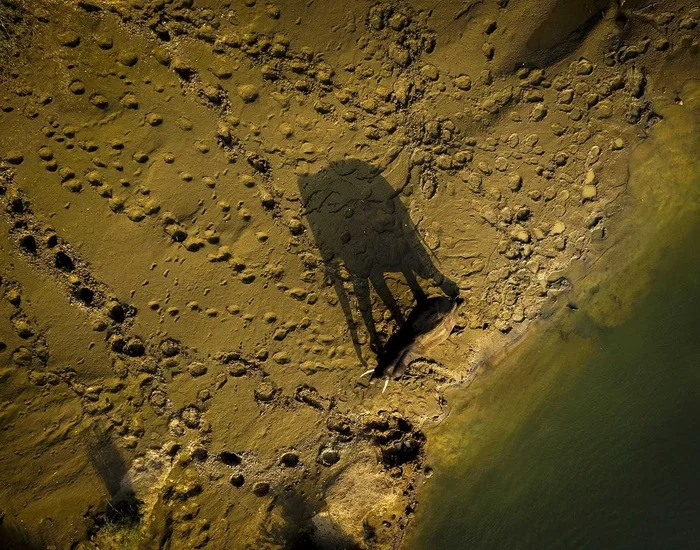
column 230, row 458
column 261, row 488
column 328, row 457
column 289, row 459
column 237, row 480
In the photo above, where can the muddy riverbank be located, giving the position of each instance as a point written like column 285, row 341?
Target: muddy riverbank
column 214, row 213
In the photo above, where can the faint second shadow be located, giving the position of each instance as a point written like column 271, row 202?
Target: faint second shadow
column 303, row 528
column 122, row 506
column 360, row 224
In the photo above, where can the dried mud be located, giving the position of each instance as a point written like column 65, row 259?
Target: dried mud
column 213, row 215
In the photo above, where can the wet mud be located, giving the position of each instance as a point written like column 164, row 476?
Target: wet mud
column 215, row 215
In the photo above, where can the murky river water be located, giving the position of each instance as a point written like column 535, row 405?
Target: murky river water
column 588, row 435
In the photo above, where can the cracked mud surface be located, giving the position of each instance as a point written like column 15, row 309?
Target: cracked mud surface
column 212, row 214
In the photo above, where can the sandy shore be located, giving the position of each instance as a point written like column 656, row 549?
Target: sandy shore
column 212, row 213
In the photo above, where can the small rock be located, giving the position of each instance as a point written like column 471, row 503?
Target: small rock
column 14, row 157
column 197, row 369
column 265, row 392
column 515, row 182
column 589, row 192
column 281, row 358
column 104, row 42
column 191, row 417
column 584, row 67
column 463, row 82
column 248, row 93
column 99, row 101
column 557, row 229
column 77, row 87
column 430, row 72
column 127, row 58
column 70, row 39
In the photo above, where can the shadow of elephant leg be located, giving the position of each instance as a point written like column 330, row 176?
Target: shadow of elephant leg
column 448, row 286
column 387, row 297
column 364, row 302
column 414, row 285
column 347, row 311
column 426, row 270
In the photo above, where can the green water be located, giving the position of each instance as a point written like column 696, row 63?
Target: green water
column 588, row 435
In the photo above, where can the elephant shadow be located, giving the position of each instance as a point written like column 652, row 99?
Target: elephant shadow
column 364, row 232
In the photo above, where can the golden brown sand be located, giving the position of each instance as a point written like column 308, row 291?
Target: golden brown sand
column 213, row 214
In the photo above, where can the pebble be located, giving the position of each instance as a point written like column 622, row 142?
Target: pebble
column 140, row 157
column 557, row 229
column 197, row 369
column 538, row 113
column 281, row 358
column 430, row 72
column 129, row 101
column 77, row 87
column 248, row 93
column 237, row 369
column 589, row 178
column 515, row 182
column 14, row 157
column 584, row 67
column 184, row 123
column 45, row 153
column 104, row 41
column 127, row 58
column 154, row 119
column 265, row 392
column 70, row 39
column 589, row 192
column 99, row 101
column 191, row 417
column 162, row 55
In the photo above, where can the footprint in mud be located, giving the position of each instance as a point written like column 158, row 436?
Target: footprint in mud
column 361, row 226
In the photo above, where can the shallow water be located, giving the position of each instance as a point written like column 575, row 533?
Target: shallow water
column 588, row 435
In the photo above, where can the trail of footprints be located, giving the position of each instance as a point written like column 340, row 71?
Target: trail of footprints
column 513, row 183
column 140, row 367
column 438, row 147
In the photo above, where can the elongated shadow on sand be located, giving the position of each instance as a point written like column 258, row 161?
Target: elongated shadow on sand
column 107, row 461
column 360, row 224
column 303, row 528
column 121, row 506
column 18, row 537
